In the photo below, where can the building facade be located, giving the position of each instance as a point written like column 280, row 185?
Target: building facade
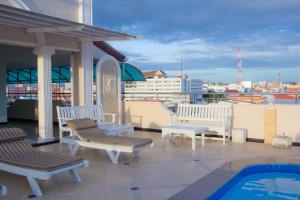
column 171, row 90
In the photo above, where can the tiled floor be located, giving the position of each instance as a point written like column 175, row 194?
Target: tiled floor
column 158, row 174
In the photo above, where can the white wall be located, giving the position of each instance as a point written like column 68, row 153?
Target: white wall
column 74, row 10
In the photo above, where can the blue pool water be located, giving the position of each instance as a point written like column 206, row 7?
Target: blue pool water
column 272, row 181
column 266, row 186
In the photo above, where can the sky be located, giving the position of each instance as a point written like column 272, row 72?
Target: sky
column 207, row 35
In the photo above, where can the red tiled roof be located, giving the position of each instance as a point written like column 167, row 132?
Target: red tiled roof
column 110, row 50
column 151, row 74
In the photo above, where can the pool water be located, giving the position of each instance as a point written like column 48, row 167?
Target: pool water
column 272, row 185
column 262, row 181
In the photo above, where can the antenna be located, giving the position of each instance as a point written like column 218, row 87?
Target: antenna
column 279, row 77
column 239, row 68
column 181, row 63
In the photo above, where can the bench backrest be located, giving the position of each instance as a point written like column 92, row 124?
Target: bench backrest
column 94, row 112
column 210, row 112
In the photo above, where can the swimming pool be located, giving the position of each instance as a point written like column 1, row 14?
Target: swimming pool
column 262, row 181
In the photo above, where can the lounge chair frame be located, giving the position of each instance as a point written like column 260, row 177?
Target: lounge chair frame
column 32, row 174
column 112, row 151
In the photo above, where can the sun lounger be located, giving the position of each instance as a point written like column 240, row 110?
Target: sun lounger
column 88, row 134
column 17, row 156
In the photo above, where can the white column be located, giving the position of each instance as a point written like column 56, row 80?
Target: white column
column 3, row 99
column 82, row 75
column 72, row 79
column 44, row 54
column 87, row 72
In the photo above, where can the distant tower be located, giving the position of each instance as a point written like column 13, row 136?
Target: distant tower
column 239, row 68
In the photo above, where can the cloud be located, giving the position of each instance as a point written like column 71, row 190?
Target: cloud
column 207, row 34
column 255, row 48
column 171, row 20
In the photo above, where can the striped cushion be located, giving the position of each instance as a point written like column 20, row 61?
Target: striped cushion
column 15, row 150
column 78, row 124
column 44, row 161
column 11, row 134
column 89, row 133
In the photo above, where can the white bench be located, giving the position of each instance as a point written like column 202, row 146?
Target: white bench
column 94, row 112
column 217, row 117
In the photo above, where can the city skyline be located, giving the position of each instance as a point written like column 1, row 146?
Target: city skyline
column 208, row 35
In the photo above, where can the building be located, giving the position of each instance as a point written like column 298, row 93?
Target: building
column 43, row 34
column 159, row 86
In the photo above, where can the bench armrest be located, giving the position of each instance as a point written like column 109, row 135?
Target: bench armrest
column 113, row 115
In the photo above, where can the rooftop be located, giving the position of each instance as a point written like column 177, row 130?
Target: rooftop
column 159, row 173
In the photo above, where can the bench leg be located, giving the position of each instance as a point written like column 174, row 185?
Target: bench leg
column 3, row 190
column 136, row 154
column 60, row 135
column 131, row 131
column 73, row 149
column 163, row 138
column 194, row 142
column 75, row 175
column 114, row 156
column 172, row 138
column 224, row 137
column 34, row 186
column 203, row 137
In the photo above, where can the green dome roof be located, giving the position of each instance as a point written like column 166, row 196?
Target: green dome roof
column 131, row 73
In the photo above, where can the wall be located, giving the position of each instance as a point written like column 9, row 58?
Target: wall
column 68, row 9
column 147, row 114
column 249, row 116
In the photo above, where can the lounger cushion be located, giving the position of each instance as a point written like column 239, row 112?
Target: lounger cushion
column 88, row 131
column 11, row 134
column 79, row 124
column 43, row 161
column 15, row 150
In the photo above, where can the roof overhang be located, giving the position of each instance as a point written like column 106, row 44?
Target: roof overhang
column 33, row 22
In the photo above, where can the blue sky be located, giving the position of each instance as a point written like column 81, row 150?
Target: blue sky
column 207, row 35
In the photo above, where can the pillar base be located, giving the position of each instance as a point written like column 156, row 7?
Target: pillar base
column 44, row 140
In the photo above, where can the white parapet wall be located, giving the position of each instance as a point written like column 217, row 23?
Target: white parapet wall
column 146, row 114
column 154, row 115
